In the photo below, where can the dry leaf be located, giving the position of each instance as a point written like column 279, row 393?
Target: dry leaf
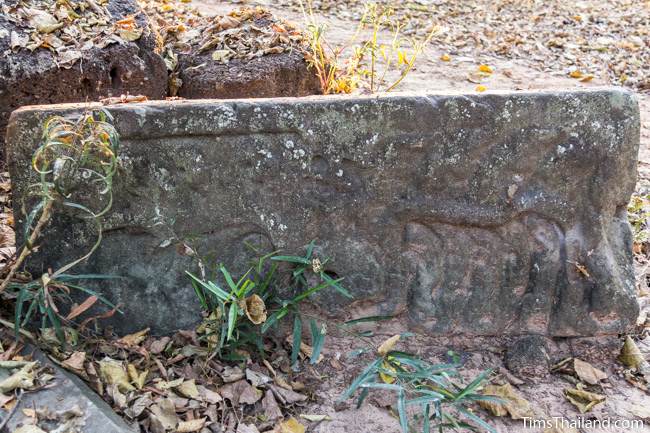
column 208, row 395
column 291, row 425
column 315, row 418
column 138, row 379
column 42, row 21
column 188, row 389
column 272, row 411
column 190, row 426
column 79, row 309
column 21, row 379
column 220, row 55
column 588, row 373
column 255, row 309
column 246, row 428
column 75, row 362
column 481, row 88
column 385, row 377
column 240, row 392
column 583, row 400
column 135, row 338
column 165, row 413
column 445, row 57
column 113, row 373
column 630, row 355
column 169, row 384
column 513, row 403
column 388, row 345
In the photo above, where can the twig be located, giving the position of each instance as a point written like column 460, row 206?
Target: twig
column 27, row 249
column 11, row 413
column 23, row 332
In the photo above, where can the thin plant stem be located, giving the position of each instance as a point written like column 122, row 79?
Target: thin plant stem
column 27, row 249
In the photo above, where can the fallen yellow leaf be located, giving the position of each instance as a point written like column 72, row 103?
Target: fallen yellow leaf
column 481, row 88
column 135, row 338
column 113, row 373
column 445, row 57
column 513, row 404
column 575, row 74
column 485, row 68
column 138, row 379
column 583, row 400
column 290, row 426
column 385, row 377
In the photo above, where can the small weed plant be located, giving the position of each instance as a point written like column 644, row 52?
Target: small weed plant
column 433, row 388
column 75, row 165
column 377, row 64
column 240, row 310
column 638, row 212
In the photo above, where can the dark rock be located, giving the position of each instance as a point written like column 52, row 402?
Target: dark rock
column 284, row 74
column 528, row 357
column 32, row 78
column 469, row 212
column 68, row 395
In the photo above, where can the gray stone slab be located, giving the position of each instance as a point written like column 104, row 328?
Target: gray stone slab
column 68, row 392
column 468, row 213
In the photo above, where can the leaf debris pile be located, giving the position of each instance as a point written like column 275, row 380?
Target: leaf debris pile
column 244, row 34
column 66, row 28
column 19, row 373
column 584, row 39
column 7, row 238
column 176, row 384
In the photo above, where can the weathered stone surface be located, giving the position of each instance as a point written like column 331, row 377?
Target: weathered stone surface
column 528, row 357
column 274, row 75
column 468, row 213
column 67, row 395
column 30, row 78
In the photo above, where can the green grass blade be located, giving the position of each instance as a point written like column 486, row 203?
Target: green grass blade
column 426, row 426
column 401, row 410
column 476, row 420
column 335, row 283
column 473, row 385
column 367, row 319
column 200, row 294
column 211, row 287
column 228, row 277
column 370, row 370
column 310, row 249
column 232, row 319
column 313, row 290
column 273, row 318
column 317, row 341
column 20, row 301
column 291, row 259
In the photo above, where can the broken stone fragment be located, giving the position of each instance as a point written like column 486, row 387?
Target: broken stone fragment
column 412, row 205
